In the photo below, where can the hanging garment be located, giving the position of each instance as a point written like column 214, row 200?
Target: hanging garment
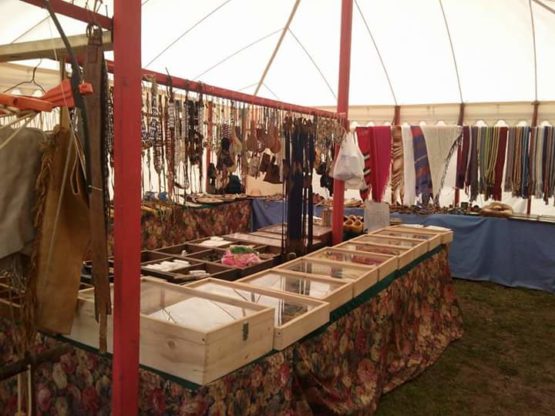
column 19, row 167
column 421, row 165
column 439, row 144
column 409, row 179
column 525, row 160
column 63, row 234
column 381, row 160
column 365, row 136
column 471, row 181
column 509, row 167
column 462, row 157
column 537, row 162
column 499, row 163
column 396, row 165
column 549, row 164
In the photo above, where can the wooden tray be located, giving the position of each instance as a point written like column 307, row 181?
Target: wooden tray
column 416, row 247
column 207, row 244
column 187, row 333
column 318, row 231
column 361, row 277
column 215, row 256
column 405, row 255
column 385, row 264
column 327, row 289
column 253, row 239
column 179, row 248
column 294, row 316
column 183, row 275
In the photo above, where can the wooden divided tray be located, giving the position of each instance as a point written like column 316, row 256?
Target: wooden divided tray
column 327, row 289
column 294, row 316
column 385, row 264
column 215, row 256
column 362, row 277
column 187, row 273
column 190, row 334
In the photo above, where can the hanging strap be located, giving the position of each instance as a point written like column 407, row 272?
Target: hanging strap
column 99, row 252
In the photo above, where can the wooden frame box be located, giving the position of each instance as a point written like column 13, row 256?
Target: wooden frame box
column 362, row 277
column 432, row 240
column 416, row 247
column 253, row 239
column 445, row 234
column 385, row 264
column 405, row 255
column 188, row 333
column 318, row 231
column 177, row 249
column 183, row 274
column 208, row 243
column 327, row 289
column 294, row 316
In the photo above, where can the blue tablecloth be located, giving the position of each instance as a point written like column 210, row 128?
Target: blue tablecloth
column 510, row 252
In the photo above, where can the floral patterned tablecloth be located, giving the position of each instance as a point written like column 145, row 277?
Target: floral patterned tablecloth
column 383, row 338
column 176, row 224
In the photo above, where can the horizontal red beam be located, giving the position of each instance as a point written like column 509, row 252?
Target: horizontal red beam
column 207, row 89
column 75, row 12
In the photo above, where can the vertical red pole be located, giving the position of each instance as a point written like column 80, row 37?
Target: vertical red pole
column 343, row 110
column 127, row 202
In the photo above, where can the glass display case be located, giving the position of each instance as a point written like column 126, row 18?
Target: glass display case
column 333, row 291
column 294, row 316
column 384, row 264
column 190, row 334
column 361, row 277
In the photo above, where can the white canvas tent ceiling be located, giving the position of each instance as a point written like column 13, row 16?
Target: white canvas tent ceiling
column 492, row 42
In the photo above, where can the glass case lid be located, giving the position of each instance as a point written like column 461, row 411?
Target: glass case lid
column 285, row 310
column 387, row 240
column 365, row 259
column 324, row 269
column 165, row 303
column 373, row 248
column 405, row 234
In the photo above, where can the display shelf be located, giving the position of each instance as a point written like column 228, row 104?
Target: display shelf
column 405, row 255
column 416, row 247
column 432, row 240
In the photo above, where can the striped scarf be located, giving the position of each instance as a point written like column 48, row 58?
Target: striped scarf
column 421, row 165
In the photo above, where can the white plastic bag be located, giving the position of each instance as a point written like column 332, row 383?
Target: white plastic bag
column 349, row 163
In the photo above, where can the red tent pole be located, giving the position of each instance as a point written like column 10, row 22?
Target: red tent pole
column 343, row 111
column 127, row 203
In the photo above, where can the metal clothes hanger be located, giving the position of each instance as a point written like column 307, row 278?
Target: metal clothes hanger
column 32, row 81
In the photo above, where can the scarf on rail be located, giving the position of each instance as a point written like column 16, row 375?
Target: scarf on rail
column 423, row 176
column 364, row 135
column 439, row 144
column 548, row 163
column 471, row 181
column 462, row 157
column 492, row 158
column 409, row 179
column 536, row 162
column 396, row 165
column 377, row 141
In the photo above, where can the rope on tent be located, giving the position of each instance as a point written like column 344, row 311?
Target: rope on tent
column 238, row 51
column 186, row 32
column 545, row 6
column 276, row 49
column 314, row 63
column 378, row 52
column 535, row 52
column 452, row 50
